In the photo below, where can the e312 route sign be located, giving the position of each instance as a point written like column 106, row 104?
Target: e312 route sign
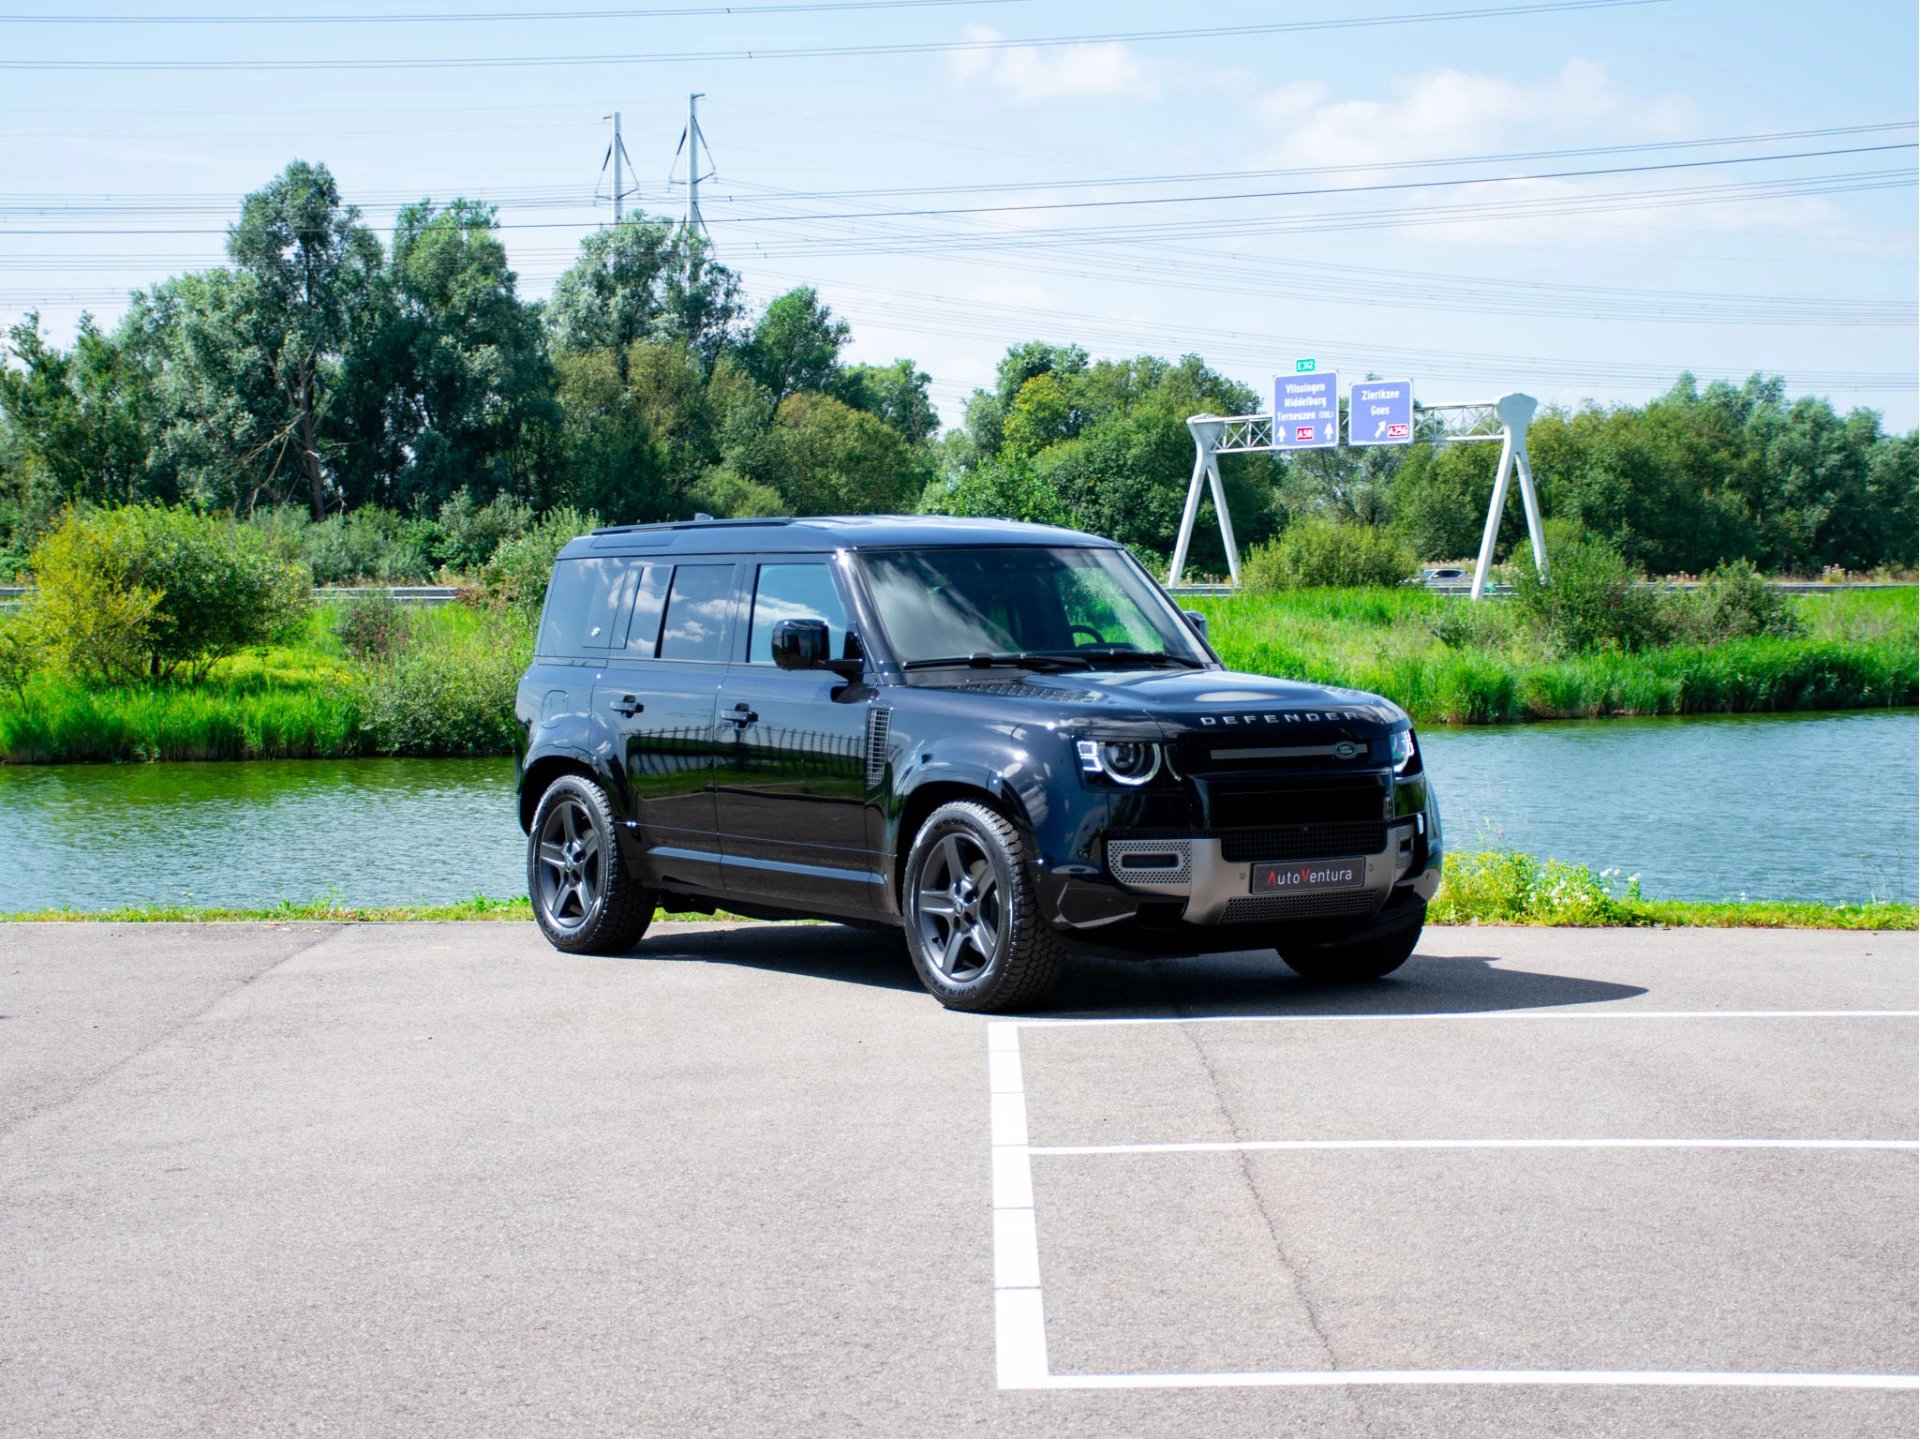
column 1306, row 411
column 1380, row 412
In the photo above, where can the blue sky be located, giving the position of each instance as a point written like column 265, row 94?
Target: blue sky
column 1602, row 288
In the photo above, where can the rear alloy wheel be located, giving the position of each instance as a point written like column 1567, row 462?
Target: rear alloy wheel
column 584, row 900
column 973, row 922
column 1352, row 963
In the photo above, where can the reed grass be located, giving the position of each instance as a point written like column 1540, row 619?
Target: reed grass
column 1855, row 650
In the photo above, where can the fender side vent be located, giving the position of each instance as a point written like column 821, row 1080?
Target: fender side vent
column 879, row 722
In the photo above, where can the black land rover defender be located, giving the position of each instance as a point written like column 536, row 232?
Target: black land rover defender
column 1002, row 738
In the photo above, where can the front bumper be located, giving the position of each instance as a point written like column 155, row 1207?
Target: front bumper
column 1213, row 882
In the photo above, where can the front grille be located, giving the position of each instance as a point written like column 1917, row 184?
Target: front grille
column 1303, row 906
column 1303, row 841
column 1260, row 804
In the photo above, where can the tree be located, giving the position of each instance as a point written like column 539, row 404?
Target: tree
column 309, row 259
column 895, row 394
column 645, row 279
column 80, row 418
column 463, row 370
column 795, row 346
column 837, row 460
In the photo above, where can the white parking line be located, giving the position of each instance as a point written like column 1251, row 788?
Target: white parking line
column 1019, row 1318
column 1342, row 1378
column 1505, row 1015
column 1020, row 1331
column 1230, row 1145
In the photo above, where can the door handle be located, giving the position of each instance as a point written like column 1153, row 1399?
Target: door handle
column 628, row 705
column 743, row 715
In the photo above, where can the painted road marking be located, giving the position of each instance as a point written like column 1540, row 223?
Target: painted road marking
column 1532, row 1015
column 1020, row 1329
column 1233, row 1145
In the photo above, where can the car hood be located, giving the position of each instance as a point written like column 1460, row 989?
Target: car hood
column 1182, row 702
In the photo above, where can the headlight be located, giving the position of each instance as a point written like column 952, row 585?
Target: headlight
column 1128, row 762
column 1400, row 745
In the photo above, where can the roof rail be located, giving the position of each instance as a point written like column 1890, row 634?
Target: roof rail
column 702, row 523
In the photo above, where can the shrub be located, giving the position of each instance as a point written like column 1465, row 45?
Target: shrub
column 1590, row 600
column 470, row 533
column 372, row 626
column 371, row 544
column 516, row 577
column 91, row 609
column 22, row 651
column 151, row 589
column 451, row 697
column 1733, row 601
column 1315, row 552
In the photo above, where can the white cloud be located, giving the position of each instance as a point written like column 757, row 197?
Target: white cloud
column 1446, row 113
column 1451, row 112
column 1052, row 72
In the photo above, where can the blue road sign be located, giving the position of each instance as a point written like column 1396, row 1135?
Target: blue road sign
column 1306, row 411
column 1380, row 412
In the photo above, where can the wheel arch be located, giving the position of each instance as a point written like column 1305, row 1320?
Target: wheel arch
column 541, row 770
column 927, row 797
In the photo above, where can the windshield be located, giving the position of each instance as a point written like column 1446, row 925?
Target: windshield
column 940, row 605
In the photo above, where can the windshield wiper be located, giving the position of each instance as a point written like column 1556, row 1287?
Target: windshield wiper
column 1151, row 657
column 983, row 661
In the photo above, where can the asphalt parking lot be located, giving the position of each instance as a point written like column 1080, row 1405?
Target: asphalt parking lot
column 440, row 1180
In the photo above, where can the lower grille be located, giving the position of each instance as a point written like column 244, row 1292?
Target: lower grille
column 1302, row 841
column 1303, row 906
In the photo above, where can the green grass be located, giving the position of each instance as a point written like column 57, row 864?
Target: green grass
column 1499, row 887
column 1856, row 650
column 305, row 699
column 452, row 692
column 1508, row 887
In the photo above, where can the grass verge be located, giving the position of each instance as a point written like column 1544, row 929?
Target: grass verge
column 1488, row 887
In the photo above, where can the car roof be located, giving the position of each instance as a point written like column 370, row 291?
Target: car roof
column 824, row 532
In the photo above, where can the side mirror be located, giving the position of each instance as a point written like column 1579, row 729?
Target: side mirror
column 1197, row 620
column 804, row 645
column 800, row 644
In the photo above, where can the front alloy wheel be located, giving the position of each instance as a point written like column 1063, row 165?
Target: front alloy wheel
column 957, row 908
column 973, row 920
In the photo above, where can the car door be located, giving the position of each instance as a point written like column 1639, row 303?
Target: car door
column 792, row 790
column 657, row 692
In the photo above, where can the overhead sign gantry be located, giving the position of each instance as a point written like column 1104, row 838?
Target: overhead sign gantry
column 1379, row 412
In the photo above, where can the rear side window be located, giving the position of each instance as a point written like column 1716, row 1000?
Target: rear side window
column 649, row 600
column 795, row 592
column 587, row 606
column 696, row 617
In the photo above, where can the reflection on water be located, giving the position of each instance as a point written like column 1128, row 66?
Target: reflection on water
column 1770, row 806
column 368, row 831
column 1779, row 807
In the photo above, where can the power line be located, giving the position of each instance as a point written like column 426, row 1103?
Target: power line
column 800, row 7
column 917, row 47
column 1352, row 189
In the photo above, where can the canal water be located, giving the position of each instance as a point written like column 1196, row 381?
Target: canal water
column 1774, row 807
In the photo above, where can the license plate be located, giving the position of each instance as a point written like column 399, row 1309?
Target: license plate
column 1309, row 876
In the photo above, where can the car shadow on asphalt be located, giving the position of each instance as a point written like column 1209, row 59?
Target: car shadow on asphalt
column 827, row 951
column 1247, row 983
column 1256, row 984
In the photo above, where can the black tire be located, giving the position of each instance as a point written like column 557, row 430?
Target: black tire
column 584, row 900
column 973, row 921
column 1355, row 962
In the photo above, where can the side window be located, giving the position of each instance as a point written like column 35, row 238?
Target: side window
column 795, row 592
column 587, row 604
column 649, row 601
column 696, row 617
